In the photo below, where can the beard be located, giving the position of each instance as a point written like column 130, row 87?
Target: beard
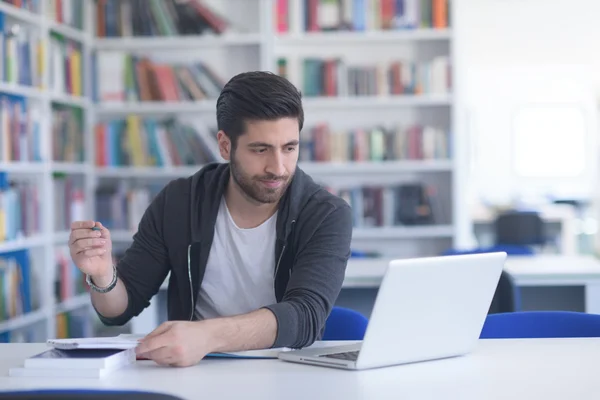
column 252, row 187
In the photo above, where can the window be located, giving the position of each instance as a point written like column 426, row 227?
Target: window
column 549, row 141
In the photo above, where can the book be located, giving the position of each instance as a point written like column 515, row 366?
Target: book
column 74, row 363
column 81, row 358
column 122, row 342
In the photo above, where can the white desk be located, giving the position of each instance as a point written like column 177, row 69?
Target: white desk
column 547, row 369
column 542, row 270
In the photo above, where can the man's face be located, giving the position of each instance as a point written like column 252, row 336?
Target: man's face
column 264, row 159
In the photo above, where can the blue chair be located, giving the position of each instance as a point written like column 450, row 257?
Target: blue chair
column 540, row 324
column 345, row 324
column 84, row 394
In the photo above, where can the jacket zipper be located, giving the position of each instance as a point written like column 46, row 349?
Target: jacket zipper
column 281, row 254
column 189, row 263
column 278, row 261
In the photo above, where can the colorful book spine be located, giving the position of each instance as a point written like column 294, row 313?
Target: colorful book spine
column 332, row 77
column 138, row 142
column 123, row 77
column 131, row 18
column 20, row 136
column 17, row 285
column 360, row 15
column 321, row 143
column 19, row 209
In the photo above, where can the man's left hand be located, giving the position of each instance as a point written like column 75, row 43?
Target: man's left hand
column 177, row 343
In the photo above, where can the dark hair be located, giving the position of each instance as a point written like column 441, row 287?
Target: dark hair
column 256, row 96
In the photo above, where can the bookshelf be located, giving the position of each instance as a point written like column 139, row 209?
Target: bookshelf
column 44, row 108
column 386, row 82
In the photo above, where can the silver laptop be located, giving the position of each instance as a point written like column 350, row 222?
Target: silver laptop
column 426, row 309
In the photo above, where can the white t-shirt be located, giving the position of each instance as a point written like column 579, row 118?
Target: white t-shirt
column 239, row 272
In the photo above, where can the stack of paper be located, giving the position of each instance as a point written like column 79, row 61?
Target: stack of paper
column 75, row 363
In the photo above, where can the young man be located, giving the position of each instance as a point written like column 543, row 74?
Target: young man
column 256, row 249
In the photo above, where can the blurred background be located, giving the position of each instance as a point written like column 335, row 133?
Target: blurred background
column 449, row 126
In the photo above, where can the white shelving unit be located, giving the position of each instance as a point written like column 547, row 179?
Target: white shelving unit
column 42, row 245
column 255, row 45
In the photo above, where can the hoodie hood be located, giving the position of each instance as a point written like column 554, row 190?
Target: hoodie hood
column 208, row 186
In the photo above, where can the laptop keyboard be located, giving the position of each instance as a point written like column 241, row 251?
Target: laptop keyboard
column 347, row 355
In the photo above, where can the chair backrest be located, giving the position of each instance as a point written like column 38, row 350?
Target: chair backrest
column 540, row 324
column 345, row 324
column 519, row 228
column 84, row 394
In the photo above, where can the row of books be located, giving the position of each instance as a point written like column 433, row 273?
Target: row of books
column 321, row 143
column 66, row 66
column 69, row 201
column 360, row 15
column 406, row 204
column 74, row 324
column 140, row 142
column 20, row 136
column 127, row 18
column 69, row 281
column 336, row 77
column 124, row 77
column 18, row 294
column 19, row 208
column 26, row 5
column 68, row 12
column 67, row 138
column 21, row 53
column 121, row 206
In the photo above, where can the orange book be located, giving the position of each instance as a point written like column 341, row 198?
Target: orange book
column 440, row 13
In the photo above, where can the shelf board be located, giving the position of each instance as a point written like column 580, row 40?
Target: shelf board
column 17, row 167
column 372, row 167
column 61, row 237
column 74, row 303
column 157, row 107
column 362, row 37
column 22, row 243
column 22, row 321
column 22, row 90
column 370, row 102
column 121, row 235
column 20, row 14
column 70, row 168
column 68, row 32
column 404, row 232
column 176, row 42
column 69, row 100
column 146, row 172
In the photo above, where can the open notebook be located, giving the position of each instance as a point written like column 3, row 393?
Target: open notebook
column 128, row 341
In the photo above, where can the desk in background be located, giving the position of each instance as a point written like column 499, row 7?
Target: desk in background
column 531, row 271
column 531, row 369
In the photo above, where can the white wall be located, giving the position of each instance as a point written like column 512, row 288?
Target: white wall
column 515, row 52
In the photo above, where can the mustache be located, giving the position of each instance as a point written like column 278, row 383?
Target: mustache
column 273, row 178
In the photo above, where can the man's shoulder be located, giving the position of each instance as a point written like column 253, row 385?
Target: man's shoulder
column 320, row 199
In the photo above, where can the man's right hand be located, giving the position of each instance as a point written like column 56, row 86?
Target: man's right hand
column 91, row 251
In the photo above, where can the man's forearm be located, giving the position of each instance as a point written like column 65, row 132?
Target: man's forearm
column 255, row 330
column 113, row 303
